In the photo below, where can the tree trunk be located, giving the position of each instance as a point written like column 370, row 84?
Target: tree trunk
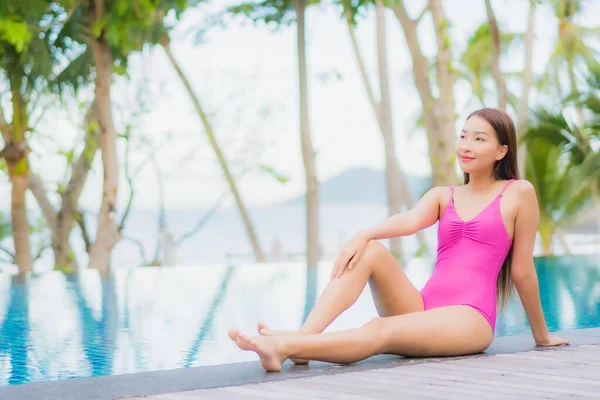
column 308, row 154
column 377, row 109
column 20, row 226
column 445, row 79
column 441, row 154
column 64, row 257
column 107, row 234
column 546, row 230
column 36, row 188
column 392, row 169
column 523, row 111
column 500, row 84
column 575, row 91
column 15, row 153
column 252, row 236
column 563, row 241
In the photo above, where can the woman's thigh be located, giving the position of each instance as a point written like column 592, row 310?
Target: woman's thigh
column 444, row 331
column 392, row 291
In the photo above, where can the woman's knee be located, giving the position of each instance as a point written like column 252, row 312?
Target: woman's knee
column 377, row 333
column 374, row 251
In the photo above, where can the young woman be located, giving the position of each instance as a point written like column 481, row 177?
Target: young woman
column 486, row 233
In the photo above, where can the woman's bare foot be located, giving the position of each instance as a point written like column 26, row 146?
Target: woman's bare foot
column 271, row 358
column 264, row 330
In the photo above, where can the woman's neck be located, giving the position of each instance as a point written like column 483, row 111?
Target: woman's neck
column 481, row 182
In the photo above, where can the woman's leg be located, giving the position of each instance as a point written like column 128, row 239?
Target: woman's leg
column 445, row 331
column 393, row 292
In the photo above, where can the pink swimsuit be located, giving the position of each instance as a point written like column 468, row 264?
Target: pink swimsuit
column 470, row 256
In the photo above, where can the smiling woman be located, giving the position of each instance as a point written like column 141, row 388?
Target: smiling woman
column 478, row 259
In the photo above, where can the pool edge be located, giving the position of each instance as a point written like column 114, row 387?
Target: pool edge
column 203, row 377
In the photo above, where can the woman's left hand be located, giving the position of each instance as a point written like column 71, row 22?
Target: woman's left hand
column 551, row 341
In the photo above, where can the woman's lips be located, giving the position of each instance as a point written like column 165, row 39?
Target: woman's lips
column 465, row 158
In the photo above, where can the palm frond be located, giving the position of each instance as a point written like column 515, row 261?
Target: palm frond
column 75, row 74
column 279, row 11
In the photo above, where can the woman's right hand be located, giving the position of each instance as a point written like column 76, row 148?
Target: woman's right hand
column 350, row 255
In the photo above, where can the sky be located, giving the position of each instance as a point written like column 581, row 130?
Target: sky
column 246, row 78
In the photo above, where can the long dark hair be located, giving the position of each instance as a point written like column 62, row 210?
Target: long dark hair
column 505, row 169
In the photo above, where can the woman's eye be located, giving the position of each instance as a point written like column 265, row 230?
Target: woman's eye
column 480, row 139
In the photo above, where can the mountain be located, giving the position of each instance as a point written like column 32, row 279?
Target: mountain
column 361, row 186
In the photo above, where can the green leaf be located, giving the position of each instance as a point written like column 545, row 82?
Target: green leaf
column 98, row 26
column 272, row 172
column 68, row 154
column 15, row 32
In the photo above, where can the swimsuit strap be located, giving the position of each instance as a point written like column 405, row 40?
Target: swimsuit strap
column 452, row 193
column 505, row 186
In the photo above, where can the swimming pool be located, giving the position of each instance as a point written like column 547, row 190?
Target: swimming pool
column 54, row 327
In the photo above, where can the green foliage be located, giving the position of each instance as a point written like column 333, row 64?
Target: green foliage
column 561, row 192
column 272, row 172
column 5, row 228
column 68, row 154
column 129, row 24
column 22, row 167
column 280, row 12
column 564, row 157
column 351, row 8
column 478, row 57
column 573, row 48
column 15, row 33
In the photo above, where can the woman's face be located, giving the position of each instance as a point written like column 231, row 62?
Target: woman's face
column 478, row 147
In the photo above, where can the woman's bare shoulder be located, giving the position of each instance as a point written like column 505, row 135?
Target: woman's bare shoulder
column 441, row 195
column 522, row 188
column 522, row 194
column 441, row 192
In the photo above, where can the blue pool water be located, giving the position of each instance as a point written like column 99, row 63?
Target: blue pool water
column 54, row 327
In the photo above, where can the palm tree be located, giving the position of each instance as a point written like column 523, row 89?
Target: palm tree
column 478, row 60
column 572, row 49
column 233, row 187
column 397, row 188
column 482, row 60
column 560, row 194
column 26, row 61
column 590, row 101
column 495, row 34
column 285, row 12
column 111, row 31
column 438, row 109
column 557, row 165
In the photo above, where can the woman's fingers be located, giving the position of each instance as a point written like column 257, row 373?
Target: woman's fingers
column 356, row 258
column 337, row 265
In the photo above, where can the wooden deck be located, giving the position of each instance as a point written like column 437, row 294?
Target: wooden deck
column 557, row 373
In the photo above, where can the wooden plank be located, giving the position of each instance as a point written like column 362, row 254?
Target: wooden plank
column 500, row 387
column 594, row 350
column 203, row 394
column 425, row 384
column 549, row 360
column 348, row 388
column 257, row 392
column 283, row 387
column 371, row 389
column 520, row 368
column 496, row 379
column 553, row 374
column 554, row 370
column 391, row 387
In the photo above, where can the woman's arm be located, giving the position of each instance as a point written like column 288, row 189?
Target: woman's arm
column 523, row 270
column 421, row 216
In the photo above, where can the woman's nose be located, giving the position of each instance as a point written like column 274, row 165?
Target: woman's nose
column 465, row 145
